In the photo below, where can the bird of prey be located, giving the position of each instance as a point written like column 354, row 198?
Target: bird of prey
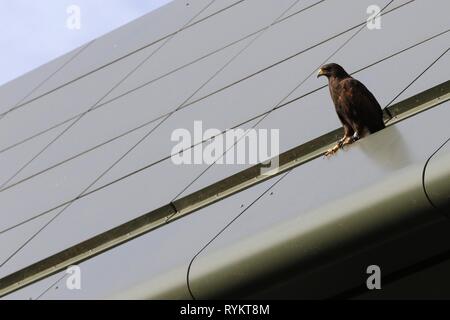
column 356, row 107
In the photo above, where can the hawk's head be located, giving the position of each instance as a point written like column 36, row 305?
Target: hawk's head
column 332, row 70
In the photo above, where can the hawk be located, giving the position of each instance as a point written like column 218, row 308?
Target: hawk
column 357, row 108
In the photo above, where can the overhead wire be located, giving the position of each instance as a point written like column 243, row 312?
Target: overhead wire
column 413, row 81
column 53, row 285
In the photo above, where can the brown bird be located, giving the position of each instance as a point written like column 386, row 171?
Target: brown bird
column 356, row 107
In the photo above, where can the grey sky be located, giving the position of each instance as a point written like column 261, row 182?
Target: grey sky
column 35, row 32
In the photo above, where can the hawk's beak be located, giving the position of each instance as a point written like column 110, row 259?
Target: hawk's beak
column 320, row 73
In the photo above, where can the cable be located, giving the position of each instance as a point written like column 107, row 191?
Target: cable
column 39, row 85
column 120, row 58
column 123, row 79
column 105, row 103
column 287, row 103
column 415, row 79
column 53, row 284
column 148, row 134
column 140, row 64
column 424, row 171
column 160, row 117
column 226, row 227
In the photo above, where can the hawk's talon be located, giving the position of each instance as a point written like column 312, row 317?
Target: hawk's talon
column 341, row 144
column 332, row 151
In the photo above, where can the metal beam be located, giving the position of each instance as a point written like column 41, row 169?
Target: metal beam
column 205, row 197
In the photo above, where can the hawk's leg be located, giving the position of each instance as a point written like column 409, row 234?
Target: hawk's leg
column 342, row 142
column 350, row 140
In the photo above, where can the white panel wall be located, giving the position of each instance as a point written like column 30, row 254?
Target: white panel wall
column 233, row 62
